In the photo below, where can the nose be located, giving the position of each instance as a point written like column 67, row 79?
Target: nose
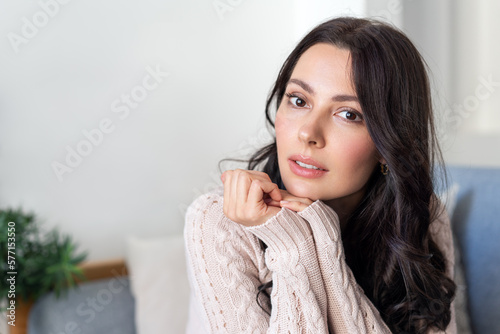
column 311, row 132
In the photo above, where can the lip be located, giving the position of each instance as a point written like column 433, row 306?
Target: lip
column 306, row 172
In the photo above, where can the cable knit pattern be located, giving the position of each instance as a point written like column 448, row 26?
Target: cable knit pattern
column 349, row 310
column 291, row 258
column 314, row 291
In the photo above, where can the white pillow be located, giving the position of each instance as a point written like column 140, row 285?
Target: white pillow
column 159, row 284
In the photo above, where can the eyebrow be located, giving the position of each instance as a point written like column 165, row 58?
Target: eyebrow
column 336, row 98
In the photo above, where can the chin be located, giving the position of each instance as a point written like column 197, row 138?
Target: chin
column 303, row 191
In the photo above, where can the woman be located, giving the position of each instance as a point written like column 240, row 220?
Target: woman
column 340, row 231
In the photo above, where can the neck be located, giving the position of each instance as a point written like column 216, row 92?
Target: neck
column 345, row 206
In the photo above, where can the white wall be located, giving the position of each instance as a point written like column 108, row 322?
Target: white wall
column 459, row 38
column 72, row 72
column 476, row 83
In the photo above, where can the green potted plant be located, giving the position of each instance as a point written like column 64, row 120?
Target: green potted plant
column 33, row 262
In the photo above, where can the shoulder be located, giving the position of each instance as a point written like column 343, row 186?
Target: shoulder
column 209, row 202
column 205, row 218
column 206, row 209
column 210, row 235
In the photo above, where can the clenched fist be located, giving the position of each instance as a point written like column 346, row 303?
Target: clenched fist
column 250, row 197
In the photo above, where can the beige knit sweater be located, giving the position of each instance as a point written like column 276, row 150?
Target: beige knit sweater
column 314, row 291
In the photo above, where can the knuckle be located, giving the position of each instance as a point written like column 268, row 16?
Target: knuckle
column 256, row 183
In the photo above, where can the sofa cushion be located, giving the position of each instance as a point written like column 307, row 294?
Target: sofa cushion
column 103, row 306
column 476, row 225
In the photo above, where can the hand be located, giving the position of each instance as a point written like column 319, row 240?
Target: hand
column 291, row 202
column 294, row 203
column 250, row 198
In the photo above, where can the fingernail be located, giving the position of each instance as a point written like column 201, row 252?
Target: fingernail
column 284, row 202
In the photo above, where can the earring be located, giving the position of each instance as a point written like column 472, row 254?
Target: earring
column 384, row 169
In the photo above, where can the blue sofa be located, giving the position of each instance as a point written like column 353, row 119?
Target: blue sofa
column 477, row 233
column 476, row 225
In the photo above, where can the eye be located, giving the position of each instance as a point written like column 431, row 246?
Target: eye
column 350, row 115
column 296, row 101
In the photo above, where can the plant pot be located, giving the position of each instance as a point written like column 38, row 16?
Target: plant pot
column 22, row 313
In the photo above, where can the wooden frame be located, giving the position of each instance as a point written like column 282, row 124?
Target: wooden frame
column 93, row 270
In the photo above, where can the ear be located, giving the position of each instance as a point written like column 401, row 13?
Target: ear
column 380, row 158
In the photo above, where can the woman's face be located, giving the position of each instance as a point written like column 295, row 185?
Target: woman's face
column 324, row 149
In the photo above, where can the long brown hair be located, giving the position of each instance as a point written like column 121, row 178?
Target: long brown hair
column 386, row 240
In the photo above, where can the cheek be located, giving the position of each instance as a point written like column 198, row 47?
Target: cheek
column 283, row 129
column 359, row 155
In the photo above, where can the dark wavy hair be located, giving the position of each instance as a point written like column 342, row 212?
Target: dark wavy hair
column 386, row 239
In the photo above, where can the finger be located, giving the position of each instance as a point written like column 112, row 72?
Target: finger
column 227, row 191
column 294, row 205
column 256, row 193
column 272, row 190
column 234, row 189
column 243, row 183
column 286, row 196
column 259, row 175
column 271, row 202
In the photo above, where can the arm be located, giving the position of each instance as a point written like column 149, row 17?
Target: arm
column 222, row 269
column 349, row 310
column 299, row 299
column 226, row 266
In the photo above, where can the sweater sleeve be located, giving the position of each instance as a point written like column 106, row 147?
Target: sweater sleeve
column 298, row 298
column 225, row 271
column 349, row 310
